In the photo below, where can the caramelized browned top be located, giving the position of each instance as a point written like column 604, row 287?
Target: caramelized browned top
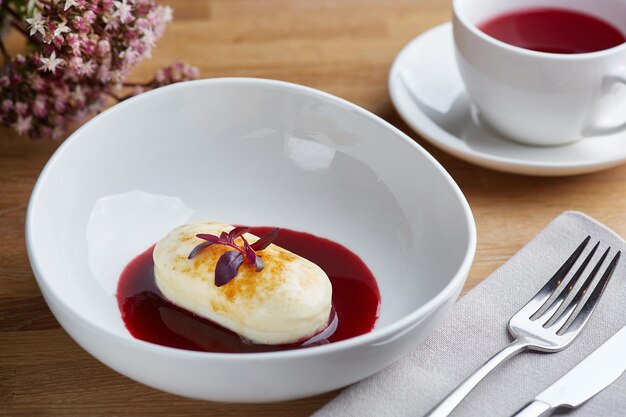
column 248, row 283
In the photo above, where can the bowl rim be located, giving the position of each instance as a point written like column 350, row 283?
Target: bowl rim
column 380, row 335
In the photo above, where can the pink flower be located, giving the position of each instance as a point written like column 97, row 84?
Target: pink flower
column 176, row 72
column 39, row 106
column 87, row 69
column 142, row 23
column 166, row 14
column 52, row 63
column 78, row 95
column 61, row 28
column 36, row 24
column 103, row 74
column 23, row 124
column 111, row 23
column 191, row 72
column 89, row 17
column 80, row 24
column 36, row 82
column 73, row 42
column 45, row 131
column 103, row 48
column 69, row 3
column 81, row 52
column 58, row 130
column 124, row 11
column 60, row 105
column 7, row 105
column 149, row 38
column 76, row 64
column 21, row 108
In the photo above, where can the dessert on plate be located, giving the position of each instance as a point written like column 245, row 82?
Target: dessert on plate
column 213, row 287
column 248, row 285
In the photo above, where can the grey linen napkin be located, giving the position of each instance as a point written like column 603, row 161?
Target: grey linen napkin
column 477, row 328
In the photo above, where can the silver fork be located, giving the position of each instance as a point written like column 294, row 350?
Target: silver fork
column 544, row 323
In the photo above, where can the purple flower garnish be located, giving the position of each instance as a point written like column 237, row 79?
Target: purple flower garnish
column 229, row 263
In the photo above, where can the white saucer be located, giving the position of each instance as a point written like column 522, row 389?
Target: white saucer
column 428, row 92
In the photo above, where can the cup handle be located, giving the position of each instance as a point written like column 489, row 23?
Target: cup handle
column 608, row 83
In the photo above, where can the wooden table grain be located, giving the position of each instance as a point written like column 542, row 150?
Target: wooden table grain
column 344, row 47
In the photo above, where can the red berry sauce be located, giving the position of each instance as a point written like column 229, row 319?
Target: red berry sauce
column 149, row 316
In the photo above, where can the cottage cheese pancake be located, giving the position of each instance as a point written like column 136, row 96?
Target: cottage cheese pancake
column 287, row 301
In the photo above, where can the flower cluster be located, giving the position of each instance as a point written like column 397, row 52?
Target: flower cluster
column 81, row 52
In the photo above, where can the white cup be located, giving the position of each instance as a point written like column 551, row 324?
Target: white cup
column 535, row 97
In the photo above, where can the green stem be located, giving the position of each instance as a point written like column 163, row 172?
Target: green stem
column 5, row 54
column 129, row 84
column 16, row 20
column 12, row 12
column 116, row 97
column 126, row 97
column 19, row 27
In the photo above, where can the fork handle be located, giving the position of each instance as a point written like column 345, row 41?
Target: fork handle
column 449, row 403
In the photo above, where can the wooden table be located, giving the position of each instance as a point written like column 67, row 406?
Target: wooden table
column 344, row 47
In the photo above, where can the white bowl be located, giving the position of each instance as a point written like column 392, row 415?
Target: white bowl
column 258, row 152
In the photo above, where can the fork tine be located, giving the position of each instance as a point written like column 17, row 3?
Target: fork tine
column 544, row 293
column 562, row 318
column 556, row 304
column 584, row 314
